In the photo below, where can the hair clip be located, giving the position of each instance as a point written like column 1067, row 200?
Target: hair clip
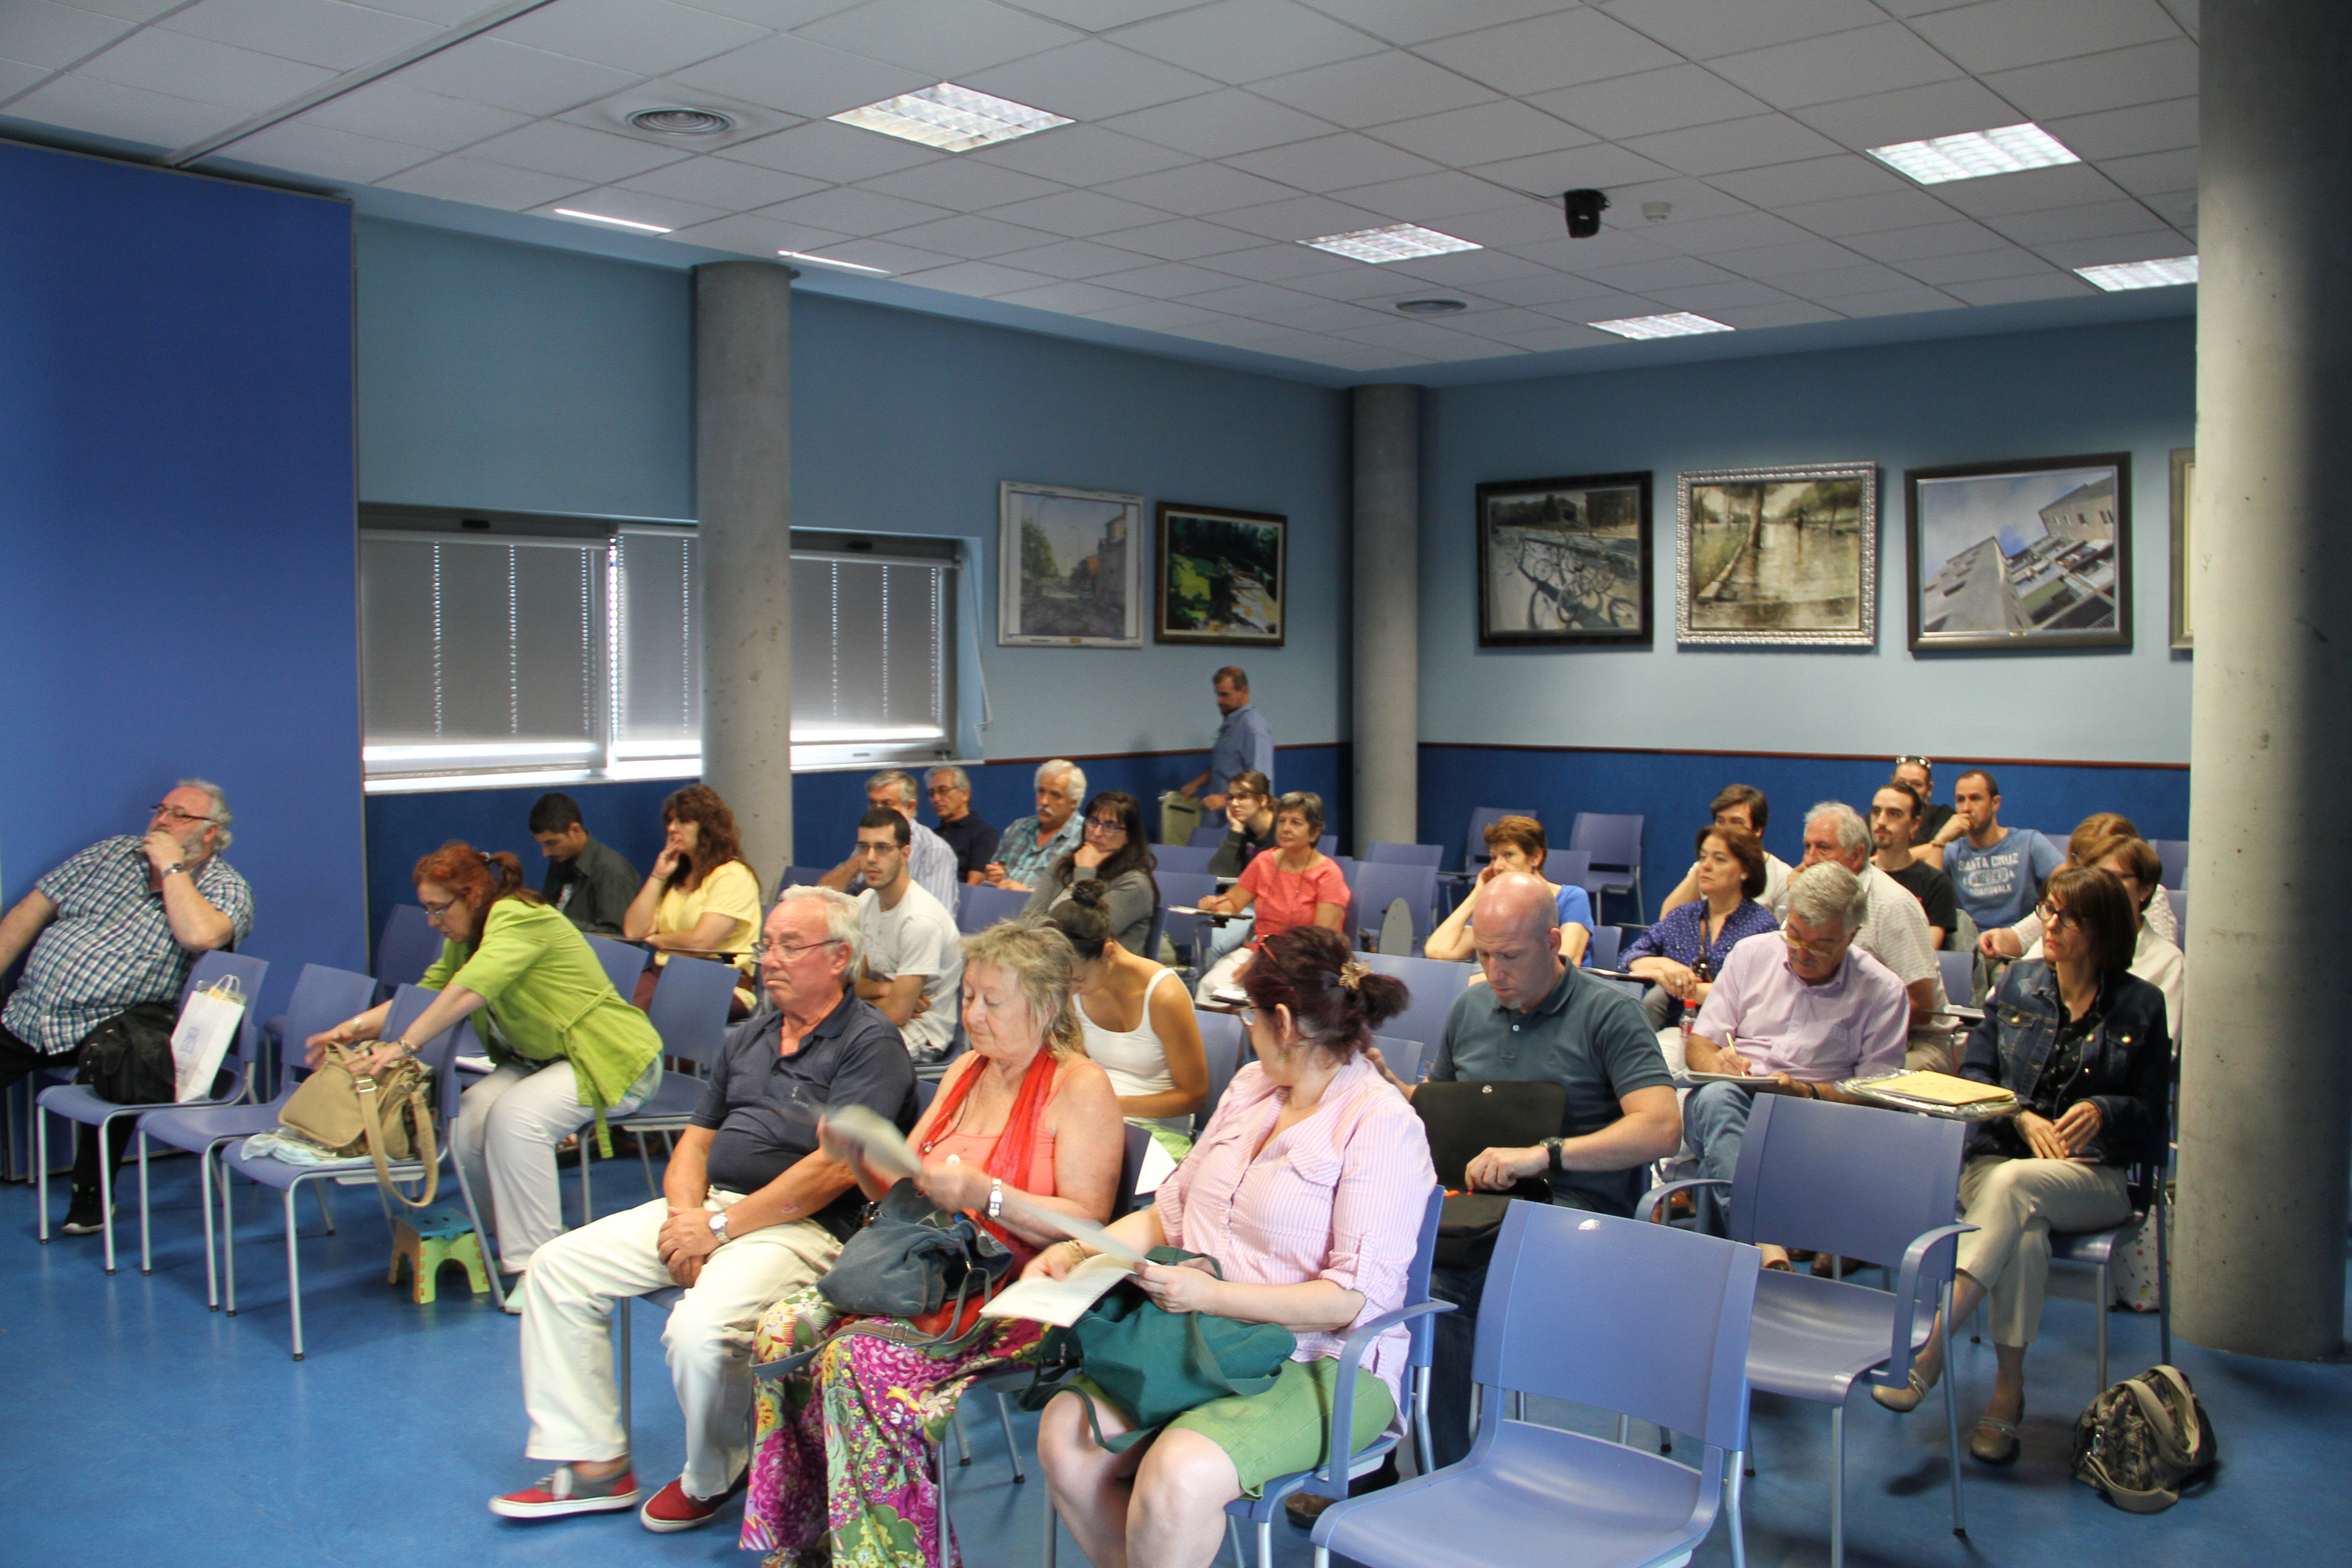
column 1353, row 972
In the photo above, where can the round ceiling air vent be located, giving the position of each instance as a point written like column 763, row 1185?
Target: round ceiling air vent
column 1432, row 307
column 681, row 121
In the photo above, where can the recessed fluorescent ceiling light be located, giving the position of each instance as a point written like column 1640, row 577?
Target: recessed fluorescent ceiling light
column 616, row 222
column 1973, row 154
column 950, row 118
column 1397, row 242
column 829, row 261
column 1678, row 324
column 2119, row 274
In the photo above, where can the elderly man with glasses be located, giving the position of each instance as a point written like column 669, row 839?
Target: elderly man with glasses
column 973, row 839
column 751, row 1208
column 115, row 926
column 1794, row 1012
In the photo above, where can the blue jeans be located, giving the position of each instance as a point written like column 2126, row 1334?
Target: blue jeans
column 1714, row 1121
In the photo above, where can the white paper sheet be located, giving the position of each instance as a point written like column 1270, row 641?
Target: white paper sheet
column 1063, row 1302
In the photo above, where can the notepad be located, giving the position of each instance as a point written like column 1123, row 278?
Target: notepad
column 1940, row 1089
column 1063, row 1302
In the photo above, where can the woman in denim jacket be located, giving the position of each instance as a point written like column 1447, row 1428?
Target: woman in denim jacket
column 2082, row 1044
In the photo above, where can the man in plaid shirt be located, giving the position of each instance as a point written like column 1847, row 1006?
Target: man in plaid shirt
column 117, row 925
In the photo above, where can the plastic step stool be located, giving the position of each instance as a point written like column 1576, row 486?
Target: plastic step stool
column 430, row 1238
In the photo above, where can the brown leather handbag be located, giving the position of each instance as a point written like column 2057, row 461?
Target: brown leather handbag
column 387, row 1116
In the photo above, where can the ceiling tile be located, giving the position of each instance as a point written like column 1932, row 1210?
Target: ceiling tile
column 1078, row 214
column 961, row 185
column 1563, row 335
column 888, row 255
column 2186, row 12
column 1910, row 113
column 1485, row 133
column 15, row 77
column 2031, row 190
column 394, row 112
column 1070, row 299
column 1234, row 332
column 2002, row 34
column 1301, row 217
column 182, row 66
column 1081, row 155
column 1868, row 214
column 1600, row 166
column 1219, row 124
column 510, row 76
column 1547, row 52
column 1786, row 314
column 1895, row 303
column 1542, row 288
column 778, row 16
column 1523, row 222
column 2051, row 285
column 1957, row 237
column 761, row 237
column 1688, row 200
column 1844, row 65
column 1429, row 342
column 1089, row 79
column 2145, row 245
column 1375, row 88
column 2177, row 208
column 1418, row 21
column 1332, row 163
column 802, row 77
column 1430, row 199
column 2149, row 73
column 971, row 236
column 1076, row 258
column 1650, row 276
column 1156, row 316
column 853, row 209
column 1100, row 15
column 1168, row 281
column 982, row 278
column 1504, row 323
column 148, row 10
column 1296, row 265
column 1326, row 315
column 723, row 183
column 1468, row 269
column 1248, row 298
column 839, row 153
column 1738, row 231
column 1702, row 29
column 483, row 184
column 575, row 151
column 2155, row 172
column 1861, row 278
column 1734, row 144
column 1815, row 180
column 1654, row 101
column 612, row 201
column 1181, row 240
column 1790, row 260
column 2091, row 220
column 645, row 37
column 1739, row 293
column 944, row 38
column 2126, row 132
column 1240, row 41
column 1354, row 280
column 1199, row 188
column 1975, row 267
column 1609, row 247
column 307, row 148
column 53, row 37
column 1607, row 305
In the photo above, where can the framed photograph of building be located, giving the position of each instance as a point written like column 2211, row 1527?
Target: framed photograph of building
column 1069, row 567
column 2184, row 475
column 1785, row 556
column 2022, row 557
column 1225, row 576
column 1564, row 561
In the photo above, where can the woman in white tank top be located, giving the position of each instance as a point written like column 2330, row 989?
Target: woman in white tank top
column 1139, row 1020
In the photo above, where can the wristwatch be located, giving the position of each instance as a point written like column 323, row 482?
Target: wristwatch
column 995, row 1197
column 179, row 865
column 718, row 1224
column 1551, row 1147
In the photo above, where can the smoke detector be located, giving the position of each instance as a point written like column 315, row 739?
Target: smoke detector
column 682, row 121
column 1432, row 307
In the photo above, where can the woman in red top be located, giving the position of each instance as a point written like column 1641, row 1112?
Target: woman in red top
column 1296, row 885
column 840, row 1471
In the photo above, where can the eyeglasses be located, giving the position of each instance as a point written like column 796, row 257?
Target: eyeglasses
column 2054, row 918
column 785, row 951
column 1248, row 1016
column 1106, row 825
column 434, row 912
column 1814, row 949
column 175, row 817
column 1913, row 762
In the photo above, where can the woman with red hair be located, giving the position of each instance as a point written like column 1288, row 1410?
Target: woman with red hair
column 565, row 1047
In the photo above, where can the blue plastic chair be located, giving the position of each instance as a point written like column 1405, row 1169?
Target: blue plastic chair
column 435, row 1055
column 1850, row 1180
column 1409, row 1059
column 2174, row 855
column 1221, row 1045
column 1208, row 836
column 1615, row 842
column 983, row 906
column 322, row 998
column 77, row 1102
column 1572, row 1311
column 1607, row 942
column 689, row 1010
column 624, row 962
column 1376, row 886
column 1184, row 888
column 2180, row 897
column 1389, row 853
column 1183, row 857
column 1433, row 983
column 408, row 947
column 1573, row 868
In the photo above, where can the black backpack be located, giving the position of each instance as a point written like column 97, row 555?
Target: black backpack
column 128, row 1059
column 2144, row 1440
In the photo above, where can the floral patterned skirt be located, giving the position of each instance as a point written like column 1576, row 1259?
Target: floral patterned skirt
column 841, row 1469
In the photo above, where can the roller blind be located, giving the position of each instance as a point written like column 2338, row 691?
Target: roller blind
column 873, row 659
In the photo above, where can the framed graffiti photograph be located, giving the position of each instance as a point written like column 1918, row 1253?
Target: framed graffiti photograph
column 1068, row 567
column 2021, row 555
column 1786, row 556
column 1564, row 561
column 1223, row 576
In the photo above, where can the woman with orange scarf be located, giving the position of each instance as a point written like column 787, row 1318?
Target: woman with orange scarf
column 840, row 1471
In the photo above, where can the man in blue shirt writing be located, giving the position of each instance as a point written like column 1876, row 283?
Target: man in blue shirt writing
column 1245, row 740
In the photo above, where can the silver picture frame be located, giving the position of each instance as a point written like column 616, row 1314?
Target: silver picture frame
column 1069, row 567
column 1798, row 569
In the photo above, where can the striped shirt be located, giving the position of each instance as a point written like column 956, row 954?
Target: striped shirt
column 1338, row 1196
column 110, row 946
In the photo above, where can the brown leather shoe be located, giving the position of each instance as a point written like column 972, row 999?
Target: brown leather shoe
column 1303, row 1508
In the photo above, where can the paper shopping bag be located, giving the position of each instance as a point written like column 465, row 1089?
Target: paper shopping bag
column 207, row 1024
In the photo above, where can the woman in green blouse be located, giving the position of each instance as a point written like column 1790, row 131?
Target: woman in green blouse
column 565, row 1046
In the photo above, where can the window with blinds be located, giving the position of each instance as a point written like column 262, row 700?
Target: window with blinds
column 873, row 659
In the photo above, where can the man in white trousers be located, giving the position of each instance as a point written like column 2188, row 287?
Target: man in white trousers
column 749, row 1211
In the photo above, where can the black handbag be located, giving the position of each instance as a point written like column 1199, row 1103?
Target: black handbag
column 911, row 1258
column 1463, row 1120
column 128, row 1059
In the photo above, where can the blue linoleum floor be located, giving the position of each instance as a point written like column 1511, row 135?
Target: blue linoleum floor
column 141, row 1428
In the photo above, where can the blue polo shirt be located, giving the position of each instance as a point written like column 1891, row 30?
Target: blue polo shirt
column 1244, row 741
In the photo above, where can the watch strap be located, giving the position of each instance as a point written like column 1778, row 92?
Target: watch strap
column 1551, row 1150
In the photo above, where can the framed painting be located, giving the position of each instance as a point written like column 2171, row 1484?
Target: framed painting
column 1785, row 556
column 2184, row 475
column 1225, row 576
column 1069, row 567
column 1564, row 561
column 2021, row 557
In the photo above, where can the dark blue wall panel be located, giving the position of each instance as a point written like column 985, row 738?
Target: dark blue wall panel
column 176, row 481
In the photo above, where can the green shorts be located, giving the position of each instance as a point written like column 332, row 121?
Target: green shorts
column 1286, row 1429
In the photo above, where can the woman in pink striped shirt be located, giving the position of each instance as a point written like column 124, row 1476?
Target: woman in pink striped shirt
column 1307, row 1187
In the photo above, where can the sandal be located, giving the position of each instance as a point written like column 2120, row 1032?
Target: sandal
column 1994, row 1441
column 1781, row 1264
column 1903, row 1401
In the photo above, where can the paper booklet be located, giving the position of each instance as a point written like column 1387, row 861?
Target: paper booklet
column 1063, row 1302
column 1939, row 1089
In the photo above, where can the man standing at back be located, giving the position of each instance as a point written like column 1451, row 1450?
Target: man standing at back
column 589, row 883
column 1997, row 872
column 1245, row 740
column 914, row 954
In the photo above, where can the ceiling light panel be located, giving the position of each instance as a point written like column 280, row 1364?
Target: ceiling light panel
column 950, row 118
column 1973, row 154
column 1677, row 324
column 2115, row 277
column 1397, row 242
column 628, row 223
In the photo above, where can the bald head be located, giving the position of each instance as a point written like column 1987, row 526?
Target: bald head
column 1520, row 904
column 1516, row 933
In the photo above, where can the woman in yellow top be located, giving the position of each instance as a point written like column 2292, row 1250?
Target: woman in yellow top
column 566, row 1046
column 700, row 897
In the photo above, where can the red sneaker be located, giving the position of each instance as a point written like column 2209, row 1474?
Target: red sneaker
column 567, row 1492
column 674, row 1508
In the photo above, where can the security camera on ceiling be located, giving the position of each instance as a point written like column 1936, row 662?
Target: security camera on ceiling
column 1584, row 209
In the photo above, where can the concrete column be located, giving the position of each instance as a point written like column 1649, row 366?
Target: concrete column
column 1387, row 614
column 2266, row 1084
column 743, row 498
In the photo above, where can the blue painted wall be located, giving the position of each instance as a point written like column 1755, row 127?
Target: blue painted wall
column 175, row 480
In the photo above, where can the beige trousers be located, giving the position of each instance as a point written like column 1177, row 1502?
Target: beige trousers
column 2015, row 1205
